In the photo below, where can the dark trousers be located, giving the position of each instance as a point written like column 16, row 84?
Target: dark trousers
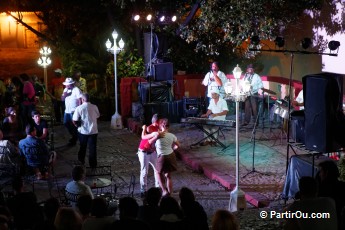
column 67, row 121
column 59, row 108
column 91, row 141
column 250, row 108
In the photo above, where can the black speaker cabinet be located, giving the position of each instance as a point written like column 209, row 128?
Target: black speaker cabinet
column 171, row 110
column 322, row 101
column 163, row 71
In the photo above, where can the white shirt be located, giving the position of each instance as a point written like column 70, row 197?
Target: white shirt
column 299, row 99
column 164, row 144
column 255, row 82
column 210, row 82
column 72, row 101
column 79, row 187
column 88, row 114
column 218, row 108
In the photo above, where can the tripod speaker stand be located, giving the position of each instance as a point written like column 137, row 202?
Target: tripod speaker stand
column 253, row 139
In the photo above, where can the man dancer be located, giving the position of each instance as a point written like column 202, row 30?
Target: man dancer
column 87, row 114
column 147, row 154
column 71, row 95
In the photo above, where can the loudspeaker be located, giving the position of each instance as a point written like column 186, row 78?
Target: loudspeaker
column 171, row 110
column 323, row 118
column 163, row 71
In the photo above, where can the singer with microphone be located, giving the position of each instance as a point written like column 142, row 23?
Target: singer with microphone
column 214, row 79
column 251, row 103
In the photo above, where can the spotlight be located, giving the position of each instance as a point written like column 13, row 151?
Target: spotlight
column 333, row 45
column 162, row 18
column 149, row 17
column 255, row 40
column 306, row 43
column 280, row 42
column 173, row 18
column 136, row 17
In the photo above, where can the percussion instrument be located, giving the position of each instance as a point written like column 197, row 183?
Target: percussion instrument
column 268, row 91
column 281, row 108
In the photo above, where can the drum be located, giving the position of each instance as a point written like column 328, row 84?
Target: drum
column 284, row 112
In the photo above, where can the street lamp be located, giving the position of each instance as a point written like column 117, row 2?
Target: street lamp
column 116, row 121
column 44, row 61
column 237, row 196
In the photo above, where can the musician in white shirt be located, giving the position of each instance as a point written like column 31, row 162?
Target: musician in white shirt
column 217, row 110
column 251, row 102
column 214, row 79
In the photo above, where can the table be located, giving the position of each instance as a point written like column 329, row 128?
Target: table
column 96, row 183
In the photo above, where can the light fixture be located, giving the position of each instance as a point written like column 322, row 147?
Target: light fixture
column 136, row 17
column 149, row 17
column 279, row 41
column 237, row 196
column 306, row 43
column 45, row 61
column 174, row 18
column 116, row 120
column 333, row 45
column 255, row 40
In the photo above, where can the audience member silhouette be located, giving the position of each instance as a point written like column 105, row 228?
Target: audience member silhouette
column 171, row 214
column 83, row 205
column 23, row 206
column 149, row 211
column 330, row 186
column 309, row 203
column 195, row 216
column 224, row 220
column 99, row 219
column 67, row 219
column 50, row 209
column 128, row 208
column 6, row 218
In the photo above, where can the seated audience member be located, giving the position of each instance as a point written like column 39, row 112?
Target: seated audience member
column 36, row 153
column 149, row 211
column 310, row 203
column 99, row 219
column 67, row 219
column 50, row 208
column 128, row 208
column 7, row 219
column 40, row 125
column 171, row 214
column 224, row 220
column 12, row 126
column 9, row 154
column 83, row 204
column 23, row 206
column 77, row 185
column 195, row 216
column 330, row 186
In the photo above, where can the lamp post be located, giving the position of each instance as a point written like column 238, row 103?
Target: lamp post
column 237, row 196
column 44, row 61
column 116, row 121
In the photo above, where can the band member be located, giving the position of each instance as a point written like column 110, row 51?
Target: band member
column 217, row 110
column 299, row 102
column 214, row 79
column 251, row 102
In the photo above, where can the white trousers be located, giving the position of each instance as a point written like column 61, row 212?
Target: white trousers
column 146, row 159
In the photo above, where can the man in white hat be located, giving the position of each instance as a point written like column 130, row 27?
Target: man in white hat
column 71, row 95
column 216, row 110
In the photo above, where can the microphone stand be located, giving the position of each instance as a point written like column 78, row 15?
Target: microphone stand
column 253, row 139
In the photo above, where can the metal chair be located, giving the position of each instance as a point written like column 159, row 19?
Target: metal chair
column 99, row 172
